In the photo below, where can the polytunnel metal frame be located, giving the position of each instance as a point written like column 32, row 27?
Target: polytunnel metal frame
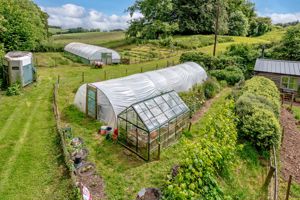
column 180, row 119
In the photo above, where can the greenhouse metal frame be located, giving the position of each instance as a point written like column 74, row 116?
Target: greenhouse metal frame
column 148, row 126
column 91, row 53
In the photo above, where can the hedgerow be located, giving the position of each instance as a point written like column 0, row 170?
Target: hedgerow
column 209, row 153
column 258, row 110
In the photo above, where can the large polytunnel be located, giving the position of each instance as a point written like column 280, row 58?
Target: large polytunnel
column 107, row 99
column 91, row 52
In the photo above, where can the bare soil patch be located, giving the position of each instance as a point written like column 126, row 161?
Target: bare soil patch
column 290, row 150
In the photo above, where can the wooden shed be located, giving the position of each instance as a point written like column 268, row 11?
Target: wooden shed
column 285, row 74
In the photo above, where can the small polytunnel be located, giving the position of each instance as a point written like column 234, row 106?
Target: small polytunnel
column 106, row 100
column 93, row 53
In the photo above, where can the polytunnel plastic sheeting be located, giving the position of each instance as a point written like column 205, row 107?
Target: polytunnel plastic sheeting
column 124, row 92
column 90, row 52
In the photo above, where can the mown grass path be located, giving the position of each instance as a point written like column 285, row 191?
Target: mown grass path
column 31, row 164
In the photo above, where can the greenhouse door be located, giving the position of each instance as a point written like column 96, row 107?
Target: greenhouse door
column 91, row 106
column 107, row 58
column 27, row 74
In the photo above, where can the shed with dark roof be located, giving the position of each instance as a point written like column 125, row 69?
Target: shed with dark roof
column 286, row 74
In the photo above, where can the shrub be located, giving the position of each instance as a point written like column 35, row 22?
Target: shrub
column 258, row 108
column 206, row 156
column 194, row 98
column 261, row 128
column 211, row 88
column 13, row 90
column 261, row 86
column 231, row 75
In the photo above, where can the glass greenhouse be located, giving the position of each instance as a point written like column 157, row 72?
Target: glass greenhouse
column 150, row 125
column 90, row 53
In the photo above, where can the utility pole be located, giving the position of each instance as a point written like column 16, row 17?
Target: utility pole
column 217, row 26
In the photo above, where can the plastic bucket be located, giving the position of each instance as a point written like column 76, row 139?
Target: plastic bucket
column 103, row 130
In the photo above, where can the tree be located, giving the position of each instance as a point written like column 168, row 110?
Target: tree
column 260, row 26
column 289, row 48
column 24, row 23
column 238, row 24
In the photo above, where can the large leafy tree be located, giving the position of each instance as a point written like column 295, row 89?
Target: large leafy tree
column 167, row 17
column 238, row 24
column 22, row 25
column 289, row 48
column 199, row 16
column 260, row 26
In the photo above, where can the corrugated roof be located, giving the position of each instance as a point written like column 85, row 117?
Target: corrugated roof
column 278, row 66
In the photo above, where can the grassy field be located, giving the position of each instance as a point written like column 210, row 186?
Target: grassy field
column 107, row 39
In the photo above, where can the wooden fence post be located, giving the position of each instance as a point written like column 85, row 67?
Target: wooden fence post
column 126, row 71
column 82, row 75
column 141, row 69
column 289, row 188
column 159, row 151
column 156, row 66
column 292, row 101
column 269, row 177
column 58, row 79
column 105, row 75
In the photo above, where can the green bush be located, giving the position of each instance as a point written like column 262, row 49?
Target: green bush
column 194, row 98
column 206, row 156
column 231, row 75
column 211, row 88
column 258, row 108
column 261, row 128
column 265, row 87
column 13, row 90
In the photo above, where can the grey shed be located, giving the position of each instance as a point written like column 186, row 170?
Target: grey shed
column 285, row 74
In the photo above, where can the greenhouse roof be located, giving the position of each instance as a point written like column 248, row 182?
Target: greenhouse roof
column 159, row 110
column 90, row 52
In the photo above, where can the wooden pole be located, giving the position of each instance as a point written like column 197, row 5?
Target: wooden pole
column 141, row 69
column 156, row 66
column 58, row 79
column 289, row 188
column 126, row 71
column 105, row 75
column 217, row 27
column 269, row 177
column 292, row 101
column 82, row 75
column 159, row 151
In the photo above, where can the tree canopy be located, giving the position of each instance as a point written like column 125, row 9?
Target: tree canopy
column 162, row 18
column 289, row 47
column 23, row 25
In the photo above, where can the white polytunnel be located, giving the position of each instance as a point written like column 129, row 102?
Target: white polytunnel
column 92, row 52
column 107, row 99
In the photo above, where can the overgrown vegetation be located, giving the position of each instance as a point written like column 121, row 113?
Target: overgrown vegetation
column 14, row 89
column 231, row 75
column 206, row 156
column 258, row 109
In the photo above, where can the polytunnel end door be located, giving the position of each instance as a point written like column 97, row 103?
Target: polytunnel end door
column 91, row 99
column 107, row 58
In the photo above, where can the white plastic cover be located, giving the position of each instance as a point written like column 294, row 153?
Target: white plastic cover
column 114, row 96
column 91, row 52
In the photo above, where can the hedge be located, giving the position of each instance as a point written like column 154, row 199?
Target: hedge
column 258, row 109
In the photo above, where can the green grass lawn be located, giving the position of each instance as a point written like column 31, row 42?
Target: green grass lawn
column 31, row 161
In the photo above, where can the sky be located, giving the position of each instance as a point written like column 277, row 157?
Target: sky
column 110, row 14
